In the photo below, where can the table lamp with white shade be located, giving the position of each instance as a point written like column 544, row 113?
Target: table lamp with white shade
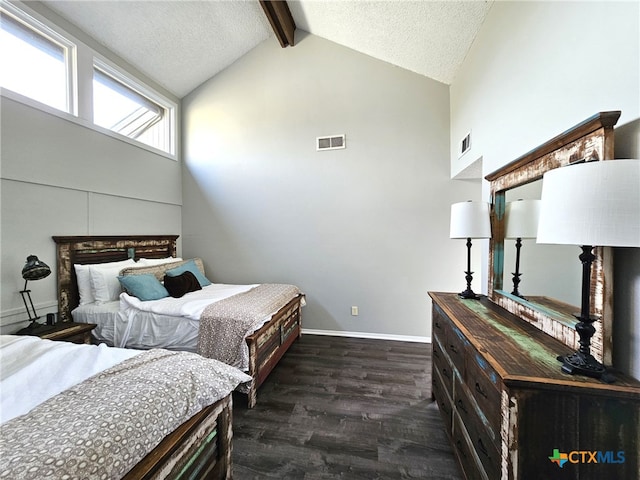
column 470, row 220
column 593, row 204
column 521, row 221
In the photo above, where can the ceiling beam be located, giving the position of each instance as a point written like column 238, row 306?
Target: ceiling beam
column 281, row 20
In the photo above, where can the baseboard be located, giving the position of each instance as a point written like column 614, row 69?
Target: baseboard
column 375, row 336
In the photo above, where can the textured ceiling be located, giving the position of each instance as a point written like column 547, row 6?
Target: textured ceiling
column 427, row 37
column 181, row 44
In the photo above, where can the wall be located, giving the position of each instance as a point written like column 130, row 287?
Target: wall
column 59, row 177
column 366, row 226
column 538, row 68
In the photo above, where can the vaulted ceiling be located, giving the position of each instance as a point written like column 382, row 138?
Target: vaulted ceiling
column 181, row 44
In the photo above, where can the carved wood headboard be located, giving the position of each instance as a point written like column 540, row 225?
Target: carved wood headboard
column 101, row 249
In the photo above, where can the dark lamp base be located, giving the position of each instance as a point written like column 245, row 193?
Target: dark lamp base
column 580, row 364
column 469, row 294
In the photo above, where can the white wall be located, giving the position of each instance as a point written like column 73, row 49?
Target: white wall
column 538, row 68
column 59, row 177
column 365, row 226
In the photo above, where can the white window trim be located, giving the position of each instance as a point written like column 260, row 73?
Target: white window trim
column 31, row 103
column 51, row 32
column 127, row 79
column 75, row 114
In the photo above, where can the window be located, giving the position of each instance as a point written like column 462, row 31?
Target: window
column 120, row 106
column 35, row 60
column 41, row 62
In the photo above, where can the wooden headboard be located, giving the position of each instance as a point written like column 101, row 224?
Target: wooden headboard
column 101, row 249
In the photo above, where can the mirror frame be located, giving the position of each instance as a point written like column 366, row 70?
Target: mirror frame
column 592, row 139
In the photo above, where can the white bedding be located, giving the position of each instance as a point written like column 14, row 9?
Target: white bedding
column 34, row 370
column 190, row 305
column 104, row 425
column 147, row 330
column 170, row 323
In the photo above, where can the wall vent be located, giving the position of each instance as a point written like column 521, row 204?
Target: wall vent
column 465, row 144
column 332, row 142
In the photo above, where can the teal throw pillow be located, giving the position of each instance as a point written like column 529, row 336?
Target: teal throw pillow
column 145, row 287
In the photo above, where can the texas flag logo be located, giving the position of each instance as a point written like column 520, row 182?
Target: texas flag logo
column 559, row 458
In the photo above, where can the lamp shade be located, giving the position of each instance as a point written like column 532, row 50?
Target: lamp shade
column 470, row 220
column 35, row 269
column 521, row 219
column 595, row 203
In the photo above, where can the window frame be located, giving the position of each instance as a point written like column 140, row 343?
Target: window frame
column 80, row 66
column 170, row 107
column 48, row 30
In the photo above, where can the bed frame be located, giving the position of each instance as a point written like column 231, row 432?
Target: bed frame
column 266, row 346
column 199, row 449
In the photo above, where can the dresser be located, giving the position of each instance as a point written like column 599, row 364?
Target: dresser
column 511, row 413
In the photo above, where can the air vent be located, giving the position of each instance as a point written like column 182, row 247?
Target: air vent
column 465, row 144
column 333, row 142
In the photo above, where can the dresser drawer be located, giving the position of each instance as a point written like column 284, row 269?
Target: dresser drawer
column 451, row 338
column 484, row 439
column 456, row 347
column 486, row 388
column 439, row 322
column 443, row 400
column 443, row 367
column 471, row 465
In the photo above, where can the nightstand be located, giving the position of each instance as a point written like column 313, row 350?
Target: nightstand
column 63, row 331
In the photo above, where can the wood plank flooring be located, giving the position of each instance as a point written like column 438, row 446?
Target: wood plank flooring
column 344, row 408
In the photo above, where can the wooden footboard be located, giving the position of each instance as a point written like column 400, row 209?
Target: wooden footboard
column 199, row 449
column 269, row 344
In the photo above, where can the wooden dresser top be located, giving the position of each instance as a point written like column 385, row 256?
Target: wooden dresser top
column 520, row 353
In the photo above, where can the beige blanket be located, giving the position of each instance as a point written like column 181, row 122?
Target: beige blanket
column 226, row 324
column 105, row 425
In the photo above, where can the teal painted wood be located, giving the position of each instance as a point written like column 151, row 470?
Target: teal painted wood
column 538, row 353
column 559, row 313
column 499, row 207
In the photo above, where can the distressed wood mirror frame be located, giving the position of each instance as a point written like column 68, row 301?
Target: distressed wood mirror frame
column 592, row 139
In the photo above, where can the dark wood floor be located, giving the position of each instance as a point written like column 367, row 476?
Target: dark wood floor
column 344, row 408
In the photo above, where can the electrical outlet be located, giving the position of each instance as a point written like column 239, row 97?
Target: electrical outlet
column 354, row 311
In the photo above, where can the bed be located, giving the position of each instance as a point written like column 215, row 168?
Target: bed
column 128, row 323
column 92, row 411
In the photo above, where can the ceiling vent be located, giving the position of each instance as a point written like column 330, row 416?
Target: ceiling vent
column 333, row 142
column 465, row 144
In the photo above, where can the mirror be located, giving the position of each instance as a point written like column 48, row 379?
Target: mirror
column 552, row 275
column 546, row 270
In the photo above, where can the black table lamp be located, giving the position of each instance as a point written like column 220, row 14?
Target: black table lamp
column 470, row 220
column 34, row 269
column 521, row 221
column 594, row 204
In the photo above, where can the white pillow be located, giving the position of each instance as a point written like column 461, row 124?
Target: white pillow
column 104, row 280
column 149, row 262
column 84, row 284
